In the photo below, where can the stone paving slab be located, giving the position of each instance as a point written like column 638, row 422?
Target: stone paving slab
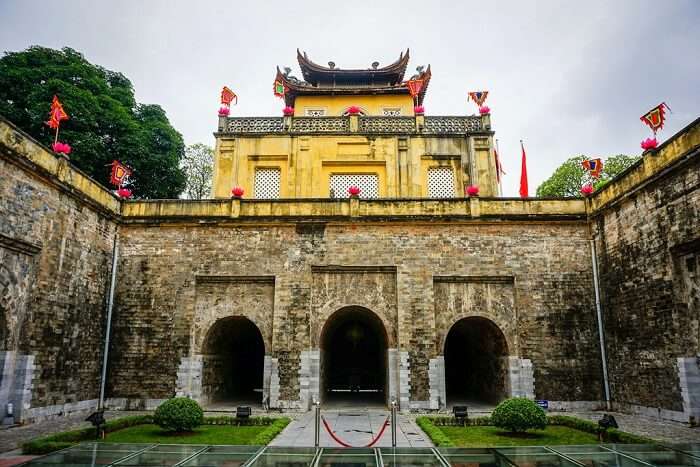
column 664, row 431
column 355, row 427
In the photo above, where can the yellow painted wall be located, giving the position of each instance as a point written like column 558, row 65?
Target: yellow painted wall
column 371, row 105
column 306, row 163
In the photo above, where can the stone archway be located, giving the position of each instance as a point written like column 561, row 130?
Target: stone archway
column 233, row 362
column 476, row 364
column 354, row 358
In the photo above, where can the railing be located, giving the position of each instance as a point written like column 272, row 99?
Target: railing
column 369, row 125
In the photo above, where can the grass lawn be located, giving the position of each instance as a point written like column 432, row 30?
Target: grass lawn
column 205, row 434
column 487, row 436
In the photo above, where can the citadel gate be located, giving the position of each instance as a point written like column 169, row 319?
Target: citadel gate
column 354, row 358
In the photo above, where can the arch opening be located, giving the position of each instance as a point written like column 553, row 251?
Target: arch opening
column 233, row 362
column 354, row 359
column 475, row 362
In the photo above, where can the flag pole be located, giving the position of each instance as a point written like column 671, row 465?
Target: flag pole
column 498, row 170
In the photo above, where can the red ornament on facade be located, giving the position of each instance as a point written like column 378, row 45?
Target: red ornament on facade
column 354, row 191
column 288, row 111
column 649, row 143
column 419, row 110
column 587, row 190
column 124, row 193
column 354, row 110
column 237, row 192
column 224, row 111
column 61, row 148
column 484, row 110
column 473, row 190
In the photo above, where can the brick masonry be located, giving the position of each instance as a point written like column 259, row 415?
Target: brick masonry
column 649, row 255
column 55, row 258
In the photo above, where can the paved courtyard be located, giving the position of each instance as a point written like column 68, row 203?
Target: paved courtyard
column 356, row 427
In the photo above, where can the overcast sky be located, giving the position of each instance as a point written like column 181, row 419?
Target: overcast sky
column 566, row 77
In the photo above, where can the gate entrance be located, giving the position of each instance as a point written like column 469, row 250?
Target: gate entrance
column 354, row 358
column 234, row 355
column 475, row 370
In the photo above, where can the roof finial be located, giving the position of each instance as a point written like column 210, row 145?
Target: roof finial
column 331, row 65
column 375, row 65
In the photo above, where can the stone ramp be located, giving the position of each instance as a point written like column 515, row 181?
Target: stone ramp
column 355, row 427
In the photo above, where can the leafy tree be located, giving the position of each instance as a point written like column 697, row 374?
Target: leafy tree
column 106, row 122
column 198, row 165
column 569, row 177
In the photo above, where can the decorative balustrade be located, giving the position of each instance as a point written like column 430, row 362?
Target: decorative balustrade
column 457, row 125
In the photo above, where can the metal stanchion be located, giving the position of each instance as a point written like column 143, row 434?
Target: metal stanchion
column 393, row 422
column 317, row 430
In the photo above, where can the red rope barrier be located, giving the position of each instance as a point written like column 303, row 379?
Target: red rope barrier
column 381, row 432
column 330, row 432
column 346, row 445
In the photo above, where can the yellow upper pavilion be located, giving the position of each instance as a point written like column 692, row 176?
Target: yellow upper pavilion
column 354, row 127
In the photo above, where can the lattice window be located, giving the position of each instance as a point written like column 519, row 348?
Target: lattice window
column 393, row 112
column 314, row 112
column 441, row 183
column 368, row 184
column 267, row 183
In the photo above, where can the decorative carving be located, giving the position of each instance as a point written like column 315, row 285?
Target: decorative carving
column 387, row 125
column 375, row 65
column 255, row 125
column 320, row 124
column 452, row 125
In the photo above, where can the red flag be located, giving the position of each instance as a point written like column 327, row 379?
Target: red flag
column 415, row 86
column 228, row 96
column 523, row 174
column 119, row 173
column 57, row 114
column 499, row 167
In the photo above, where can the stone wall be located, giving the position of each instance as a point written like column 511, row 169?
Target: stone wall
column 648, row 246
column 541, row 296
column 55, row 258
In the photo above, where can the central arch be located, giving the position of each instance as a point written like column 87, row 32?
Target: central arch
column 354, row 358
column 233, row 362
column 475, row 366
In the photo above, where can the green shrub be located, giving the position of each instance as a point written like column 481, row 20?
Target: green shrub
column 519, row 414
column 178, row 414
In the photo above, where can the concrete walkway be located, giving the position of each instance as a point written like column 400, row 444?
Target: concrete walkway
column 356, row 427
column 664, row 431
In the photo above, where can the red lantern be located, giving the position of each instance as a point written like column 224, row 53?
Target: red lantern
column 649, row 143
column 237, row 192
column 124, row 193
column 354, row 191
column 473, row 190
column 61, row 148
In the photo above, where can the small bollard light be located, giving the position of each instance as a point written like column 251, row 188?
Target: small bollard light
column 98, row 421
column 608, row 421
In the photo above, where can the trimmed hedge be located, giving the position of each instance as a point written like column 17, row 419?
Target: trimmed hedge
column 66, row 439
column 267, row 435
column 611, row 435
column 435, row 434
column 431, row 427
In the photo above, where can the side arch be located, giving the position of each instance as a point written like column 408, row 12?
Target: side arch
column 233, row 355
